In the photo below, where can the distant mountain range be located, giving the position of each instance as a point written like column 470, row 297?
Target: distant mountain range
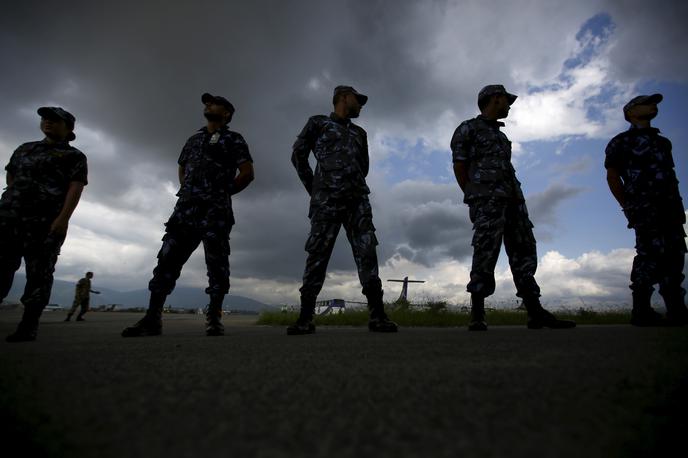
column 182, row 297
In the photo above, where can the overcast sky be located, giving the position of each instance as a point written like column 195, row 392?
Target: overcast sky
column 133, row 73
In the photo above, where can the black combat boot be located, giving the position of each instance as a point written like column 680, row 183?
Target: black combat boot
column 379, row 321
column 151, row 323
column 477, row 320
column 80, row 317
column 643, row 315
column 27, row 329
column 213, row 325
column 69, row 317
column 304, row 323
column 539, row 318
column 677, row 313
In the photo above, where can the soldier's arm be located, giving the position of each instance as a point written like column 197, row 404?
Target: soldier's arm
column 366, row 157
column 461, row 174
column 301, row 150
column 244, row 177
column 59, row 225
column 461, row 154
column 616, row 186
column 181, row 173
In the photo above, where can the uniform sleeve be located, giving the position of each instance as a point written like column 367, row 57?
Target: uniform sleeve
column 304, row 144
column 461, row 143
column 241, row 150
column 184, row 155
column 79, row 171
column 12, row 165
column 365, row 158
column 613, row 155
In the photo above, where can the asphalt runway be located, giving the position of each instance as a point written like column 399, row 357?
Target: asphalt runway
column 81, row 390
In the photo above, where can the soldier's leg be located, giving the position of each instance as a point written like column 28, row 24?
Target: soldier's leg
column 177, row 245
column 361, row 234
column 488, row 218
column 217, row 250
column 671, row 275
column 644, row 275
column 40, row 258
column 319, row 246
column 521, row 249
column 84, row 303
column 75, row 305
column 11, row 250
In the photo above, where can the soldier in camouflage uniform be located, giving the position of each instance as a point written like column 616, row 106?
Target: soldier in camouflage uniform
column 482, row 165
column 339, row 196
column 44, row 183
column 641, row 176
column 82, row 297
column 208, row 177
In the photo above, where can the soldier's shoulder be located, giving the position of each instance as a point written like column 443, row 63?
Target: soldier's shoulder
column 75, row 151
column 619, row 139
column 318, row 119
column 27, row 146
column 359, row 129
column 467, row 126
column 235, row 136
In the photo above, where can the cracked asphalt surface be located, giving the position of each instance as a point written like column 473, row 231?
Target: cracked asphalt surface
column 81, row 390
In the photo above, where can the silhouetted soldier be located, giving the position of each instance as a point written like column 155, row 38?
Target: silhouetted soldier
column 482, row 165
column 44, row 183
column 82, row 297
column 641, row 176
column 208, row 177
column 339, row 196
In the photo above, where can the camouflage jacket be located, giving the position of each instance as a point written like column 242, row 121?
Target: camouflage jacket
column 487, row 153
column 341, row 150
column 210, row 163
column 83, row 288
column 644, row 161
column 41, row 173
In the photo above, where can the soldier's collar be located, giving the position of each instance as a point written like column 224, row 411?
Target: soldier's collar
column 490, row 121
column 634, row 128
column 337, row 119
column 47, row 143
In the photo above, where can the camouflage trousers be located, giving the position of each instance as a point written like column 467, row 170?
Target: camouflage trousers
column 179, row 242
column 495, row 220
column 80, row 301
column 659, row 259
column 28, row 238
column 356, row 216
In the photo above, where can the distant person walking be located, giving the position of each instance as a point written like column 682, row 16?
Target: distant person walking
column 641, row 177
column 44, row 183
column 208, row 167
column 82, row 297
column 482, row 165
column 339, row 196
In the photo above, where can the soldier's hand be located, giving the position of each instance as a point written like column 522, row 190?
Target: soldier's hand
column 59, row 226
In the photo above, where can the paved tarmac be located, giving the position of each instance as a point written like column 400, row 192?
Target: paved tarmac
column 81, row 390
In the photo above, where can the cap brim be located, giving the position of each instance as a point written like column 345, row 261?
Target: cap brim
column 47, row 111
column 512, row 98
column 654, row 98
column 206, row 98
column 362, row 99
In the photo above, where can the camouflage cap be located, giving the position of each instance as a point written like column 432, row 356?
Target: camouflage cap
column 495, row 89
column 59, row 113
column 362, row 99
column 218, row 100
column 643, row 100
